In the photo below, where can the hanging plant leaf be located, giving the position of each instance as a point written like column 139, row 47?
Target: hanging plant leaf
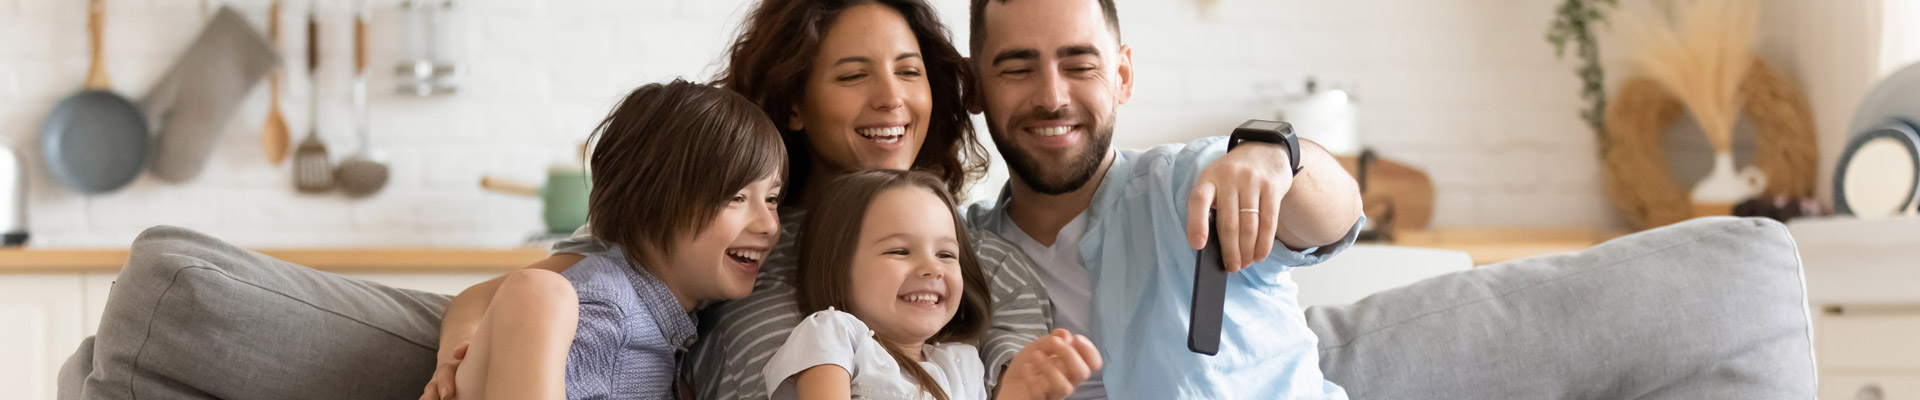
column 1573, row 23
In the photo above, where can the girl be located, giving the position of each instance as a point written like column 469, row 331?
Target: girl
column 895, row 294
column 686, row 179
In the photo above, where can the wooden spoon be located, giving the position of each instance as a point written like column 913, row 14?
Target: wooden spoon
column 274, row 137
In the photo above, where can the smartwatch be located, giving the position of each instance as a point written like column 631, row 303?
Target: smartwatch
column 1274, row 132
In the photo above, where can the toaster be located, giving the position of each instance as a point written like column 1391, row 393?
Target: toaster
column 13, row 198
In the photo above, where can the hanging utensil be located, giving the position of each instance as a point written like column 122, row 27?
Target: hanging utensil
column 312, row 171
column 364, row 173
column 191, row 104
column 273, row 137
column 427, row 67
column 95, row 141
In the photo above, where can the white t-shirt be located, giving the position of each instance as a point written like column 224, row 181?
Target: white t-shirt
column 1065, row 276
column 833, row 337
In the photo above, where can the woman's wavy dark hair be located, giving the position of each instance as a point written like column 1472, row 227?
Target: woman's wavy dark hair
column 771, row 58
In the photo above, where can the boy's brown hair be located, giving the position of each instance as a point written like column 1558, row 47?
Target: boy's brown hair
column 831, row 235
column 667, row 159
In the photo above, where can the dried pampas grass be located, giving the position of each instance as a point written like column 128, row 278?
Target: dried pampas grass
column 1636, row 169
column 1700, row 58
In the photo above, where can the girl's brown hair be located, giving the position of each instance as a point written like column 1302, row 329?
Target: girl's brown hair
column 667, row 159
column 772, row 57
column 831, row 235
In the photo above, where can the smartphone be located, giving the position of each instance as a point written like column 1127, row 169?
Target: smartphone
column 1209, row 294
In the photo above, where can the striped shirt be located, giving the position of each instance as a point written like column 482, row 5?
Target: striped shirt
column 727, row 362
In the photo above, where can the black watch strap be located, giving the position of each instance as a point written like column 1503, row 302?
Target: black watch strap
column 1274, row 132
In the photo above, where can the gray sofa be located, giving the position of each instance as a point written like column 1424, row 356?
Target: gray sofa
column 1707, row 309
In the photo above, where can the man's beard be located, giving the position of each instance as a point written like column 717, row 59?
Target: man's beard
column 1054, row 180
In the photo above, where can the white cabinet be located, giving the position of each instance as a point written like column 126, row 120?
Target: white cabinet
column 1862, row 281
column 1868, row 354
column 40, row 325
column 95, row 288
column 1869, row 387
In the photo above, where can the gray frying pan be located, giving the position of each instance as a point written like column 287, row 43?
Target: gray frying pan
column 95, row 141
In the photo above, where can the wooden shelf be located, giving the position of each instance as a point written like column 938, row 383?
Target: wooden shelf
column 1489, row 245
column 383, row 260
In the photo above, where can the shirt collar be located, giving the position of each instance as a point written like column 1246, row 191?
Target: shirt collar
column 676, row 324
column 994, row 217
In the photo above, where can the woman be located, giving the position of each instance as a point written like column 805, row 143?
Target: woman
column 852, row 85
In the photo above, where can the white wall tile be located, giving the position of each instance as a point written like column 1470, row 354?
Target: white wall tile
column 710, row 10
column 281, row 206
column 148, row 202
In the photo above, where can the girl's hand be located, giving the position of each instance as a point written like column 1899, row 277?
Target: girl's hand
column 441, row 387
column 1050, row 367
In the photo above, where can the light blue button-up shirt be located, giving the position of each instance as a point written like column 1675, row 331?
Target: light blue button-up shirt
column 1135, row 251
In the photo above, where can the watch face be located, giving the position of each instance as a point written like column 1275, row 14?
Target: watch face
column 1263, row 125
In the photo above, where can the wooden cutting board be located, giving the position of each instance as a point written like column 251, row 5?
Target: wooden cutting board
column 1397, row 195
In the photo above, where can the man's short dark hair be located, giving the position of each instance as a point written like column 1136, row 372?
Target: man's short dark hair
column 977, row 35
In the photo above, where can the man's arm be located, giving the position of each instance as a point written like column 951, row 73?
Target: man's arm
column 1260, row 201
column 1322, row 203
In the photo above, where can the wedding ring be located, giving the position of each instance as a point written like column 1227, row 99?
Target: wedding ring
column 1250, row 210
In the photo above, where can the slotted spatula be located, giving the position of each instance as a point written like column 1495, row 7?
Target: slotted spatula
column 312, row 171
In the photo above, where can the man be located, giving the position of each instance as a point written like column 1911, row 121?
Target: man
column 1113, row 233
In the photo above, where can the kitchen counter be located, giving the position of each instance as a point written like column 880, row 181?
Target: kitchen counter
column 345, row 260
column 1489, row 245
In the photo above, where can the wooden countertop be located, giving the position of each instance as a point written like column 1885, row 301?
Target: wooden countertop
column 346, row 260
column 1489, row 245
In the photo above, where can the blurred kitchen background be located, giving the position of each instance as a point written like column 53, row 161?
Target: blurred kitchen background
column 1472, row 125
column 1467, row 93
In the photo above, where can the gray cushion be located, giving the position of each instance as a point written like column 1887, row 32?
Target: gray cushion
column 195, row 317
column 1712, row 308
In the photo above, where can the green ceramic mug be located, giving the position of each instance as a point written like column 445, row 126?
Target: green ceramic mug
column 563, row 199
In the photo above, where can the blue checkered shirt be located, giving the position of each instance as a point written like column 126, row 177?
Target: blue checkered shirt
column 631, row 335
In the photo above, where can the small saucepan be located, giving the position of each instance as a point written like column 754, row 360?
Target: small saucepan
column 563, row 197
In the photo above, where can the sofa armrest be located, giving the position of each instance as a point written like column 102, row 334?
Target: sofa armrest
column 192, row 316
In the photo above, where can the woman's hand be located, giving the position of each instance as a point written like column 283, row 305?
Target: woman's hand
column 1050, row 367
column 441, row 387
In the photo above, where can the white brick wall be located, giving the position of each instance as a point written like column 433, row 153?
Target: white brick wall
column 1466, row 89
